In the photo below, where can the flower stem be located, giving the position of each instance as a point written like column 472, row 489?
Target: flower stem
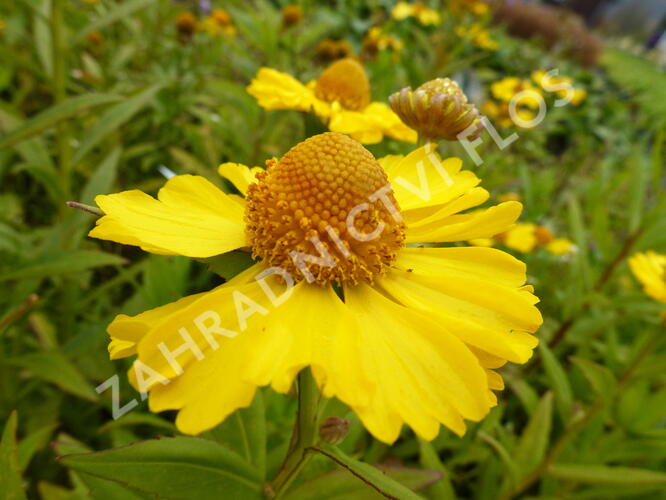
column 304, row 435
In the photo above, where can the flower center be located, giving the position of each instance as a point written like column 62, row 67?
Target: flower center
column 344, row 81
column 325, row 212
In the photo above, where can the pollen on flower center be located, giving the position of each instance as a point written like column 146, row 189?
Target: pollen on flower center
column 326, row 204
column 344, row 81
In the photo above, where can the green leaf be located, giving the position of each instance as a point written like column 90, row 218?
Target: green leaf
column 558, row 382
column 54, row 115
column 534, row 440
column 11, row 484
column 602, row 474
column 245, row 433
column 113, row 118
column 443, row 489
column 372, row 476
column 229, row 264
column 33, row 442
column 118, row 12
column 62, row 263
column 179, row 468
column 55, row 368
column 601, row 379
column 339, row 485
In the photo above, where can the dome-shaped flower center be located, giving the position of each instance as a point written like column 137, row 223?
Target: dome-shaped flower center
column 325, row 212
column 344, row 81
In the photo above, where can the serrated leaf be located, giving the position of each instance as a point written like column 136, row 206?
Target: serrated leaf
column 63, row 263
column 603, row 474
column 179, row 468
column 54, row 115
column 11, row 484
column 376, row 478
column 113, row 118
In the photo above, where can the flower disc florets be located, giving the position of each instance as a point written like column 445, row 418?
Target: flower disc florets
column 438, row 109
column 326, row 212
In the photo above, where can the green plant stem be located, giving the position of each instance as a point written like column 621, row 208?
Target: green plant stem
column 648, row 347
column 59, row 52
column 304, row 436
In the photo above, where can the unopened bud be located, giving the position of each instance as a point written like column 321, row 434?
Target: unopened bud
column 333, row 430
column 438, row 109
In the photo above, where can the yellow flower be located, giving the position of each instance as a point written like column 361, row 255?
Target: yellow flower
column 478, row 36
column 547, row 82
column 186, row 24
column 528, row 237
column 476, row 7
column 499, row 113
column 650, row 269
column 340, row 97
column 329, row 50
column 560, row 246
column 376, row 41
column 521, row 237
column 506, row 88
column 218, row 23
column 410, row 335
column 425, row 15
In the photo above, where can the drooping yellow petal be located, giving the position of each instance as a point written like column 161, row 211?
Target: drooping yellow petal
column 423, row 375
column 462, row 227
column 190, row 217
column 276, row 90
column 650, row 269
column 241, row 176
column 475, row 293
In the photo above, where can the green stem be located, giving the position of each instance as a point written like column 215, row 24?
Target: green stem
column 60, row 94
column 305, row 434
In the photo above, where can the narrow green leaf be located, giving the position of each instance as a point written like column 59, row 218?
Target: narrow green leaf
column 179, row 468
column 118, row 12
column 62, row 263
column 534, row 440
column 601, row 379
column 42, row 34
column 11, row 484
column 370, row 475
column 558, row 381
column 55, row 368
column 33, row 442
column 602, row 474
column 442, row 489
column 113, row 118
column 54, row 115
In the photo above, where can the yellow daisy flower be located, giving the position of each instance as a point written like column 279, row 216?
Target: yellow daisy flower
column 578, row 95
column 527, row 237
column 425, row 15
column 409, row 335
column 506, row 88
column 340, row 97
column 218, row 23
column 478, row 36
column 650, row 269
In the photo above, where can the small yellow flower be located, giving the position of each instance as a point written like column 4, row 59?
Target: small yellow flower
column 506, row 88
column 478, row 36
column 577, row 96
column 499, row 114
column 650, row 269
column 291, row 15
column 218, row 23
column 340, row 97
column 376, row 41
column 424, row 14
column 476, row 7
column 560, row 246
column 438, row 109
column 528, row 237
column 186, row 25
column 402, row 334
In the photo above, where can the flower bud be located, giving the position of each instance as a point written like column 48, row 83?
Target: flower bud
column 291, row 15
column 333, row 430
column 438, row 109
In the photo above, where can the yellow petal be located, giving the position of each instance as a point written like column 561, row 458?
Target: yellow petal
column 370, row 125
column 191, row 217
column 521, row 237
column 650, row 269
column 475, row 293
column 462, row 227
column 241, row 176
column 276, row 90
column 423, row 375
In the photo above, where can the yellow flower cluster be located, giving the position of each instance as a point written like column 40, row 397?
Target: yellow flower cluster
column 340, row 97
column 528, row 237
column 479, row 36
column 425, row 15
column 476, row 7
column 376, row 41
column 562, row 86
column 503, row 91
